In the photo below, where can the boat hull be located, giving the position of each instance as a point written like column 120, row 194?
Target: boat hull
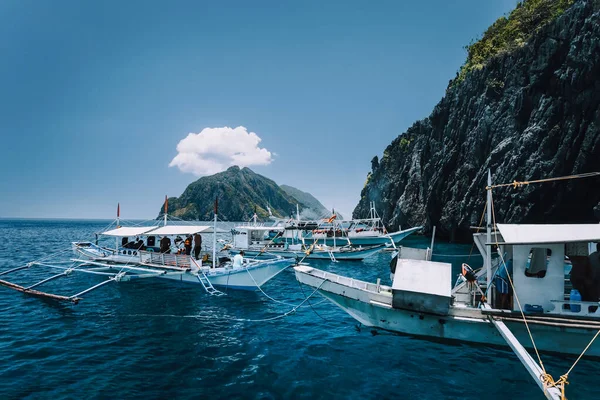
column 351, row 255
column 250, row 278
column 374, row 309
column 356, row 239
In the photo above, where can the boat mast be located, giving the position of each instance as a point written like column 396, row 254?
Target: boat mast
column 488, row 252
column 298, row 232
column 118, row 222
column 214, row 255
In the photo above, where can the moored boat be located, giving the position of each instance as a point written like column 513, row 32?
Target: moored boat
column 519, row 299
column 332, row 232
column 256, row 241
column 146, row 261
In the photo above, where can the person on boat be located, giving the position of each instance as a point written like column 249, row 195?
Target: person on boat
column 187, row 244
column 581, row 276
column 125, row 242
column 594, row 260
column 197, row 245
column 238, row 260
column 503, row 284
column 139, row 244
column 165, row 245
column 178, row 241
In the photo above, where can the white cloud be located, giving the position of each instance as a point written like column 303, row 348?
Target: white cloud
column 215, row 149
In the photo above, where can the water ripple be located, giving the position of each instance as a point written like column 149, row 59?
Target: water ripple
column 160, row 339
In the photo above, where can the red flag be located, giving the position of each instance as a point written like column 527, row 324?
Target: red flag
column 118, row 210
column 166, row 204
column 216, row 205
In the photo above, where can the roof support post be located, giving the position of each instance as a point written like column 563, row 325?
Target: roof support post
column 488, row 255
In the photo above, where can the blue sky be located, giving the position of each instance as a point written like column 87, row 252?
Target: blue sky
column 96, row 96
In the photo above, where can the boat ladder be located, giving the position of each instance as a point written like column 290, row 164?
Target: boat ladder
column 331, row 255
column 205, row 282
column 210, row 289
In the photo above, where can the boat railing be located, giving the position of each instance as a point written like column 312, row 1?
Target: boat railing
column 171, row 260
column 576, row 308
column 344, row 280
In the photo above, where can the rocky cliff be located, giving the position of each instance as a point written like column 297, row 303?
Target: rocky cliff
column 241, row 192
column 528, row 111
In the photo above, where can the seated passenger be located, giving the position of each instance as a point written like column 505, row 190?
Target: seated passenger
column 139, row 244
column 124, row 242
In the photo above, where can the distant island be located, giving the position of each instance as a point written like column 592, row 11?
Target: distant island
column 241, row 193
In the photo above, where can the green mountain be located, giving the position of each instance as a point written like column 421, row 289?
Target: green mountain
column 314, row 207
column 240, row 193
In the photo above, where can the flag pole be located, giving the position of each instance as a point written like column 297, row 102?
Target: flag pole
column 166, row 208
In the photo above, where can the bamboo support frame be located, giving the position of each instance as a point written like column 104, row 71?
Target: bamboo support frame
column 74, row 299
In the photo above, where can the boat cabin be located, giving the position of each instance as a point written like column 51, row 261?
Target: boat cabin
column 245, row 237
column 549, row 266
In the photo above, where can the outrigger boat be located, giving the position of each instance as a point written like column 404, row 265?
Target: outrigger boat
column 251, row 275
column 356, row 232
column 258, row 240
column 543, row 316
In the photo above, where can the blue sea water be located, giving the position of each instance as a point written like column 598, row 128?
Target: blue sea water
column 156, row 339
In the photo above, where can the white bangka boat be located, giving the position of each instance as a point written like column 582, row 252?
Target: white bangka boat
column 256, row 241
column 543, row 316
column 356, row 232
column 117, row 267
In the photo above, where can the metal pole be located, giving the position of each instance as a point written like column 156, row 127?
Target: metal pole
column 488, row 253
column 432, row 241
column 215, row 243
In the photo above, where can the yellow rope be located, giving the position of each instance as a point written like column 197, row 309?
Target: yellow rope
column 515, row 184
column 584, row 350
column 561, row 384
column 547, row 379
column 503, row 265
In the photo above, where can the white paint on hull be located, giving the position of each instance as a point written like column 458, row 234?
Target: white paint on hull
column 375, row 310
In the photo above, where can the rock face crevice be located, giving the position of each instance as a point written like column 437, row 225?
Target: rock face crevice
column 529, row 114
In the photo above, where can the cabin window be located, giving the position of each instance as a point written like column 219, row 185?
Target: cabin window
column 537, row 262
column 151, row 241
column 256, row 236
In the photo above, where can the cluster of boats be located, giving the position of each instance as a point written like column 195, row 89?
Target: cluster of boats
column 268, row 250
column 541, row 313
column 352, row 240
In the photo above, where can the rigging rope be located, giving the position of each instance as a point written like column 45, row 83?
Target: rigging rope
column 547, row 379
column 515, row 184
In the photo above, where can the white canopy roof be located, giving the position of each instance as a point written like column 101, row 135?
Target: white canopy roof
column 129, row 231
column 543, row 233
column 181, row 229
column 260, row 228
